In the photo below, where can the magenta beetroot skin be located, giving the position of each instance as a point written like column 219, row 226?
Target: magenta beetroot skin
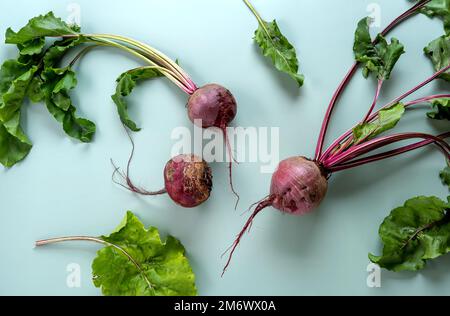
column 298, row 186
column 214, row 105
column 188, row 180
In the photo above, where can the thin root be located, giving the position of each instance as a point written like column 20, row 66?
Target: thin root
column 266, row 202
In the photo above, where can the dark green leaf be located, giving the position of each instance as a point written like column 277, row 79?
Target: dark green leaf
column 125, row 85
column 414, row 233
column 35, row 92
column 442, row 109
column 138, row 263
column 57, row 51
column 379, row 58
column 15, row 78
column 14, row 145
column 275, row 46
column 33, row 47
column 445, row 176
column 10, row 71
column 12, row 100
column 79, row 128
column 38, row 27
column 440, row 9
column 57, row 83
column 387, row 119
column 439, row 52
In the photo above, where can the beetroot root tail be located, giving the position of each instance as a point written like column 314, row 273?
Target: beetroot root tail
column 266, row 202
column 126, row 176
column 230, row 165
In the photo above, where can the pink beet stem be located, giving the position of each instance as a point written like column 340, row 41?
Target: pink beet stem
column 427, row 99
column 326, row 154
column 375, row 100
column 351, row 72
column 391, row 153
column 261, row 206
column 374, row 144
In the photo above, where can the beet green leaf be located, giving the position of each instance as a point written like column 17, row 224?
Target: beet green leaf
column 414, row 233
column 125, row 85
column 137, row 263
column 379, row 57
column 387, row 119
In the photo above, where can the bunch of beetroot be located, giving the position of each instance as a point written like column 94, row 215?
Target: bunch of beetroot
column 39, row 74
column 300, row 184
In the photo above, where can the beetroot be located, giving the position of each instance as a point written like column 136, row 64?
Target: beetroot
column 215, row 106
column 298, row 186
column 188, row 180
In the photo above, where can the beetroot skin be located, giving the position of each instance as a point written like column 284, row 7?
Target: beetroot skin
column 214, row 105
column 188, row 180
column 298, row 186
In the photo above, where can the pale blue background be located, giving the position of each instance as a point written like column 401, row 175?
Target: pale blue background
column 64, row 187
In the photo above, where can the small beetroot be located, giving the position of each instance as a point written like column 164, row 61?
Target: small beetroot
column 187, row 179
column 214, row 106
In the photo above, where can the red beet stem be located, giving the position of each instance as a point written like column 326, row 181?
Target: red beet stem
column 375, row 100
column 326, row 155
column 326, row 121
column 391, row 153
column 374, row 144
column 130, row 186
column 261, row 206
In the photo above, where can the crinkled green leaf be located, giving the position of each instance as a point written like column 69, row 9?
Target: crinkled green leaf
column 275, row 46
column 14, row 80
column 387, row 119
column 125, row 85
column 76, row 127
column 35, row 92
column 445, row 176
column 379, row 58
column 12, row 99
column 38, row 27
column 441, row 109
column 440, row 9
column 57, row 83
column 138, row 263
column 33, row 47
column 14, row 145
column 34, row 75
column 57, row 51
column 439, row 53
column 414, row 233
column 10, row 71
